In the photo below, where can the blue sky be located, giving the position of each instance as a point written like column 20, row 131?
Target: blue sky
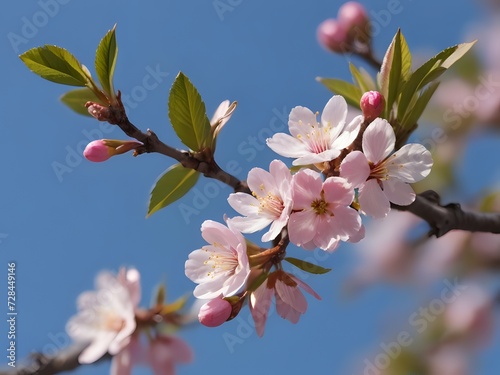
column 61, row 229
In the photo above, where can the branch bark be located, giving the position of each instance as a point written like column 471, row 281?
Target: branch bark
column 443, row 219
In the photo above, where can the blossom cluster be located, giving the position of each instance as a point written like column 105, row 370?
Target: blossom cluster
column 107, row 323
column 343, row 170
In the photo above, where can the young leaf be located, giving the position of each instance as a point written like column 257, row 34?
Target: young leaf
column 429, row 71
column 76, row 99
column 360, row 79
column 105, row 61
column 390, row 73
column 172, row 185
column 412, row 117
column 307, row 267
column 351, row 93
column 187, row 114
column 55, row 64
column 405, row 59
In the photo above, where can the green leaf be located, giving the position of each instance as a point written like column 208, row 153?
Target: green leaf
column 307, row 267
column 420, row 105
column 390, row 74
column 429, row 71
column 351, row 93
column 76, row 99
column 405, row 59
column 187, row 114
column 105, row 61
column 359, row 79
column 55, row 64
column 172, row 185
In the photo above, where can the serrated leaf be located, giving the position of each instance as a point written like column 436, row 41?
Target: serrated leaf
column 55, row 64
column 307, row 267
column 171, row 186
column 76, row 99
column 187, row 113
column 351, row 93
column 420, row 105
column 429, row 71
column 105, row 61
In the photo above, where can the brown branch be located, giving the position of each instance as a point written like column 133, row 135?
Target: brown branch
column 443, row 219
column 40, row 364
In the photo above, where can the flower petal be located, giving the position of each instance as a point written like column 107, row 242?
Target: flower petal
column 97, row 348
column 260, row 302
column 398, row 192
column 334, row 115
column 373, row 201
column 291, row 295
column 302, row 227
column 286, row 145
column 349, row 134
column 306, row 187
column 355, row 168
column 378, row 140
column 411, row 163
column 313, row 158
column 338, row 190
column 301, row 121
column 243, row 203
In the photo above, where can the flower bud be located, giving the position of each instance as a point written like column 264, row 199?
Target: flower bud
column 215, row 312
column 332, row 35
column 355, row 20
column 98, row 111
column 372, row 104
column 103, row 149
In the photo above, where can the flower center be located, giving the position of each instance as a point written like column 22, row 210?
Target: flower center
column 270, row 205
column 317, row 139
column 218, row 262
column 113, row 322
column 379, row 171
column 320, row 207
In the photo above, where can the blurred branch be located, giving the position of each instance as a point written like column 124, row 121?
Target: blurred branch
column 443, row 219
column 65, row 360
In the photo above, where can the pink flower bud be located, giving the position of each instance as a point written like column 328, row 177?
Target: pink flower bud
column 215, row 312
column 353, row 15
column 103, row 149
column 372, row 104
column 97, row 151
column 98, row 111
column 332, row 35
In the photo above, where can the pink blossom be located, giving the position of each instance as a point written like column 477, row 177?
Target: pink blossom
column 332, row 35
column 381, row 177
column 102, row 149
column 372, row 104
column 270, row 202
column 106, row 316
column 321, row 214
column 222, row 267
column 290, row 302
column 162, row 353
column 314, row 142
column 353, row 15
column 214, row 312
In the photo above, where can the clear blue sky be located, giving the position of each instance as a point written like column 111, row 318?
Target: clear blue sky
column 62, row 230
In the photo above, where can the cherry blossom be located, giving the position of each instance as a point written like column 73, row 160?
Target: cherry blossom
column 381, row 177
column 321, row 214
column 270, row 202
column 314, row 142
column 106, row 316
column 222, row 267
column 290, row 302
column 161, row 353
column 214, row 312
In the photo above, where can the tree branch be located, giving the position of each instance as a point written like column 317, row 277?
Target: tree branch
column 65, row 360
column 443, row 219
